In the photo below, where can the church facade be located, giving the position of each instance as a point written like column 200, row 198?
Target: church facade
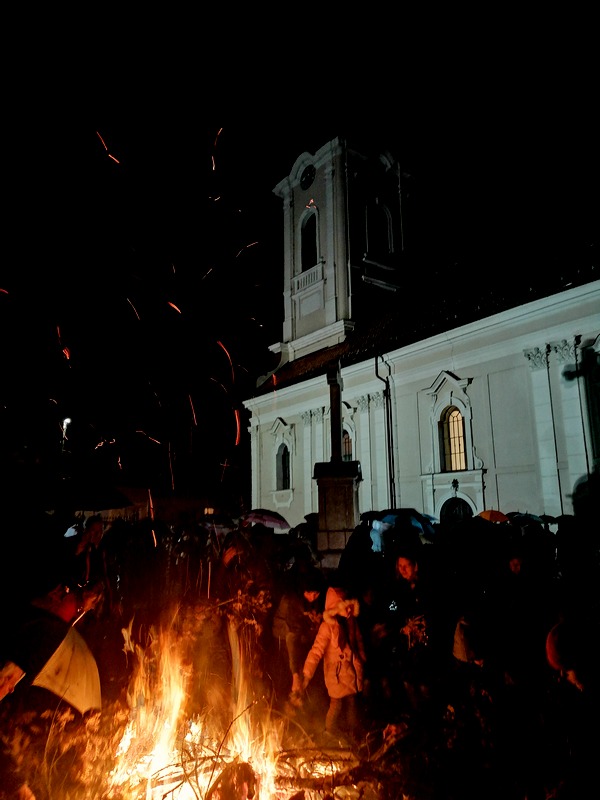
column 493, row 410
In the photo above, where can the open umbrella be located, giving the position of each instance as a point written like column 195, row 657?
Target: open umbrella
column 71, row 673
column 493, row 515
column 270, row 519
column 400, row 518
column 524, row 518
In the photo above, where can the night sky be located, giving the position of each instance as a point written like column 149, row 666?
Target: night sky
column 142, row 279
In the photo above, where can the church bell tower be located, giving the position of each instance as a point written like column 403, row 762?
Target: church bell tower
column 342, row 243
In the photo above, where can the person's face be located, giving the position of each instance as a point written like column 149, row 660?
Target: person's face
column 515, row 565
column 311, row 596
column 406, row 568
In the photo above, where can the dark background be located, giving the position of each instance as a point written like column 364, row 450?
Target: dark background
column 142, row 277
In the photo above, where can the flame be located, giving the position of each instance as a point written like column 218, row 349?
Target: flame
column 166, row 752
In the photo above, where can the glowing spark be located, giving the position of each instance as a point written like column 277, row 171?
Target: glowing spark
column 106, row 148
column 175, row 307
column 229, row 357
column 238, row 434
column 245, row 248
column 220, row 384
column 103, row 442
column 65, row 350
column 102, row 140
column 150, row 506
column 134, row 308
column 214, row 164
column 193, row 411
column 3, row 291
column 207, row 274
column 148, row 437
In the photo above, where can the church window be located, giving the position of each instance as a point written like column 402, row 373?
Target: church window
column 309, row 242
column 378, row 230
column 283, row 467
column 346, row 446
column 452, row 440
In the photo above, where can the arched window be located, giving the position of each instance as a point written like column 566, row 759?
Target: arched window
column 283, row 467
column 346, row 446
column 452, row 440
column 310, row 254
column 379, row 229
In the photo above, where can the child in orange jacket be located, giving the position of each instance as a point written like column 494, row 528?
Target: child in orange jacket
column 339, row 643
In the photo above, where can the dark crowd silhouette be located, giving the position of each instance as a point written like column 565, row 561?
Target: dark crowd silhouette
column 465, row 656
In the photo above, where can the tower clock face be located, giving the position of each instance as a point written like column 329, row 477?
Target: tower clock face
column 307, row 177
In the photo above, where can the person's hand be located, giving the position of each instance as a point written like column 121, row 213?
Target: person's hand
column 10, row 675
column 297, row 683
column 394, row 731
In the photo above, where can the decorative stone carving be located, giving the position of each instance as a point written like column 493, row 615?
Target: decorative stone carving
column 565, row 351
column 538, row 359
column 362, row 403
column 376, row 400
column 279, row 427
column 477, row 462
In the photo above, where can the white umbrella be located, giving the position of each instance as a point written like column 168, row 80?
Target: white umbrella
column 270, row 519
column 71, row 673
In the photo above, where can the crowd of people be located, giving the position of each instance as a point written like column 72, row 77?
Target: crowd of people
column 478, row 645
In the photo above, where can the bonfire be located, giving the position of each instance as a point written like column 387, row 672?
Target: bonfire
column 193, row 722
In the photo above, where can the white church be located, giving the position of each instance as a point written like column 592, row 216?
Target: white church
column 367, row 411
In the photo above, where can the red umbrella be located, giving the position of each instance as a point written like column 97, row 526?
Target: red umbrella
column 493, row 515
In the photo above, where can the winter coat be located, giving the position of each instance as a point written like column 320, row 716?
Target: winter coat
column 343, row 662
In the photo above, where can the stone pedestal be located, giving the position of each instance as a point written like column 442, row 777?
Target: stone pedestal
column 338, row 507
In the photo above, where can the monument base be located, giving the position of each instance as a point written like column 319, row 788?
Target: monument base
column 338, row 507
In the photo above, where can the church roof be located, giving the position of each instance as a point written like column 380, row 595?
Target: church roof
column 410, row 322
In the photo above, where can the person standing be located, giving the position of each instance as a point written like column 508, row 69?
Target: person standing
column 572, row 737
column 85, row 568
column 340, row 645
column 295, row 626
column 416, row 635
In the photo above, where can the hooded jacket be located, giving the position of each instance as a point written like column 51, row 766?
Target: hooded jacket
column 339, row 643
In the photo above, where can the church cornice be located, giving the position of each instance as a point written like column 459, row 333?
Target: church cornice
column 384, row 335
